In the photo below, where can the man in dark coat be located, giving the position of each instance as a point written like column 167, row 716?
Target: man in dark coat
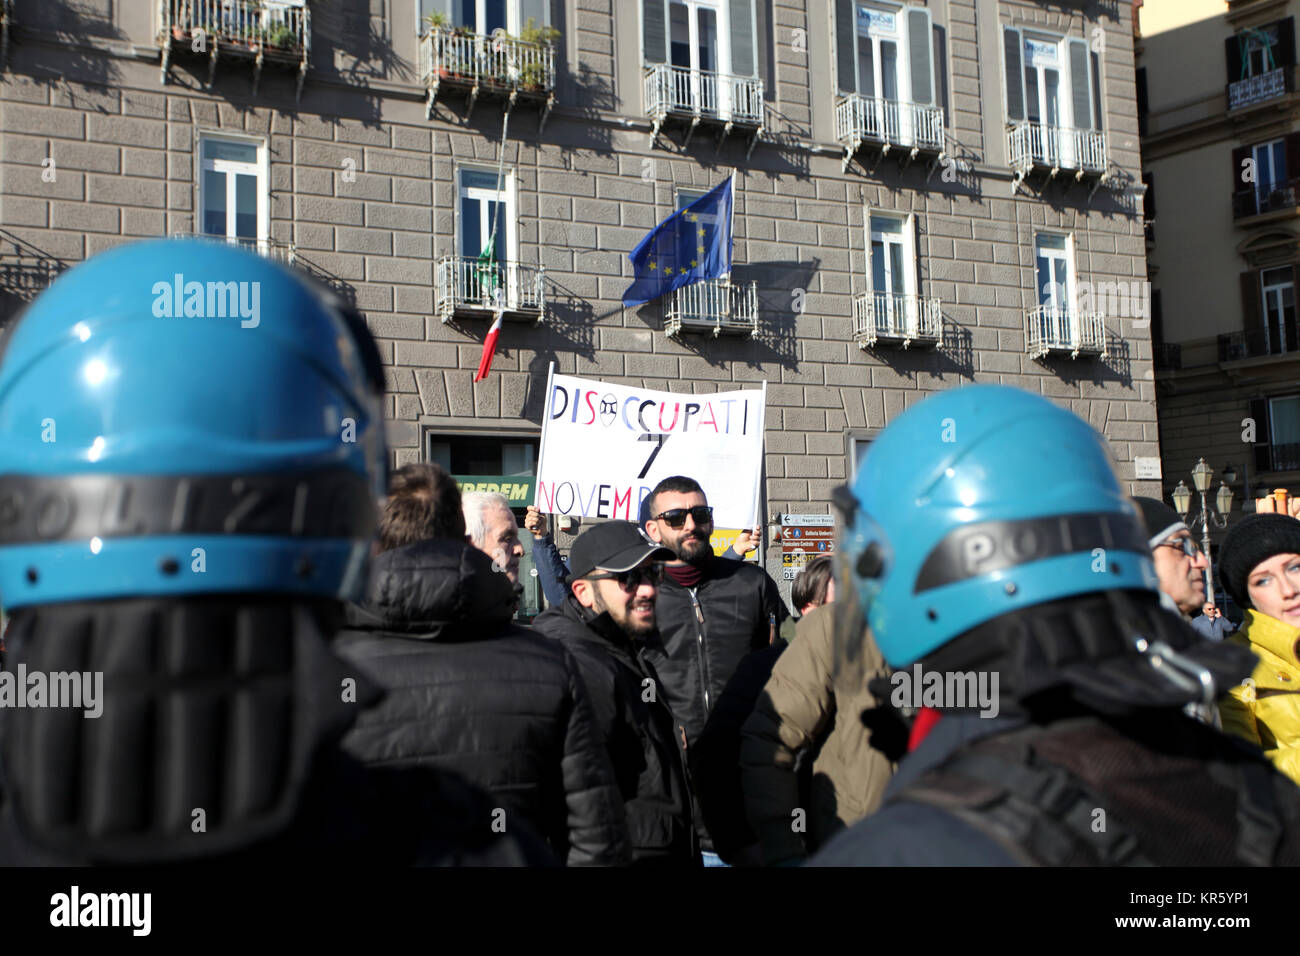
column 472, row 692
column 710, row 613
column 603, row 621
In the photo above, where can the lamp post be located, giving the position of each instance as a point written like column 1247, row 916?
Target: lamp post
column 1202, row 475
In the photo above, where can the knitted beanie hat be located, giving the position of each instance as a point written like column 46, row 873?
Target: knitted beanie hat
column 1160, row 519
column 1255, row 538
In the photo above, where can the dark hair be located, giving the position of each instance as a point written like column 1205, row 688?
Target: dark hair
column 423, row 503
column 811, row 584
column 679, row 483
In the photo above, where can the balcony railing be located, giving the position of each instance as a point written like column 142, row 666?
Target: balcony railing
column 1052, row 329
column 716, row 305
column 465, row 284
column 873, row 119
column 1263, row 198
column 1167, row 356
column 1257, row 343
column 248, row 28
column 1284, row 457
column 1260, row 89
column 889, row 317
column 1031, row 145
column 495, row 63
column 268, row 248
column 702, row 94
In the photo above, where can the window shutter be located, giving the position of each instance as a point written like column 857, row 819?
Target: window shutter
column 1232, row 50
column 845, row 37
column 866, row 228
column 742, row 38
column 1286, row 42
column 1157, row 319
column 913, row 233
column 1259, row 412
column 539, row 11
column 921, row 51
column 1291, row 144
column 654, row 33
column 1012, row 46
column 1252, row 310
column 1149, row 197
column 1080, row 84
column 1289, row 321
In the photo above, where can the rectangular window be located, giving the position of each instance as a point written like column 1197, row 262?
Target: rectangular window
column 1055, row 280
column 1277, row 287
column 893, row 61
column 892, row 274
column 1270, row 174
column 233, row 196
column 1054, row 82
column 1284, row 432
column 482, row 17
column 487, row 237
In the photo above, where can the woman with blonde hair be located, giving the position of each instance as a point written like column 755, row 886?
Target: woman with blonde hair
column 1259, row 567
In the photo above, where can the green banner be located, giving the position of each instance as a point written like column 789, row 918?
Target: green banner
column 517, row 488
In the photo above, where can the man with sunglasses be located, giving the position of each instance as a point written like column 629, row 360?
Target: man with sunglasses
column 711, row 612
column 604, row 621
column 1180, row 564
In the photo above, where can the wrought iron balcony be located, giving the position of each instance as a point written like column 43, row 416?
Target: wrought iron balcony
column 713, row 305
column 887, row 317
column 1038, row 146
column 493, row 64
column 1051, row 329
column 1256, row 343
column 246, row 29
column 1167, row 356
column 860, row 120
column 1284, row 457
column 462, row 284
column 700, row 96
column 1261, row 88
column 1263, row 198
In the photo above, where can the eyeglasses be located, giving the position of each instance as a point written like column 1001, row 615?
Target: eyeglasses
column 629, row 581
column 1186, row 545
column 675, row 518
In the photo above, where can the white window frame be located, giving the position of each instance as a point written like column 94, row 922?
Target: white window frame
column 910, row 318
column 513, row 14
column 898, row 35
column 1065, row 255
column 1277, row 176
column 260, row 168
column 509, row 226
column 1276, row 288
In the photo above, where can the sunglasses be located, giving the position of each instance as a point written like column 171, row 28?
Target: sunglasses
column 629, row 581
column 1186, row 545
column 675, row 518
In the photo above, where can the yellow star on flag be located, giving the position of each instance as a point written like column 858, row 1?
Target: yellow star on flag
column 695, row 217
column 700, row 249
column 653, row 267
column 701, row 232
column 694, row 263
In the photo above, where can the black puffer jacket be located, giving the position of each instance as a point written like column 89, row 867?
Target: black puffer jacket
column 471, row 692
column 638, row 733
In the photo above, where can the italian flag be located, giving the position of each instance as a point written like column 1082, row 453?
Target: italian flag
column 487, row 278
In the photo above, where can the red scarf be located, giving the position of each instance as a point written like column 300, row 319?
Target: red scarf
column 687, row 575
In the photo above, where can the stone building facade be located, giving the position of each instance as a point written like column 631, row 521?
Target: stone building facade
column 926, row 196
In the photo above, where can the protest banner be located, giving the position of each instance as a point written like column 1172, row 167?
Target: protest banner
column 605, row 447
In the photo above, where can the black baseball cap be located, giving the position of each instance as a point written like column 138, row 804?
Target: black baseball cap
column 613, row 546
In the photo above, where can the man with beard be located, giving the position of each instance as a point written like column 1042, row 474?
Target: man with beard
column 711, row 613
column 604, row 622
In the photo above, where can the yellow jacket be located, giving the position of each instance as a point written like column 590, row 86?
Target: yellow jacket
column 1265, row 709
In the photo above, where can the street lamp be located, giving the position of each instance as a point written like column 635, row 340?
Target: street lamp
column 1202, row 476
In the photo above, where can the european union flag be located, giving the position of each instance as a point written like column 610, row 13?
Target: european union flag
column 690, row 245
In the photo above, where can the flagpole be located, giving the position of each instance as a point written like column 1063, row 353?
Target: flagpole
column 731, row 228
column 541, row 448
column 762, row 448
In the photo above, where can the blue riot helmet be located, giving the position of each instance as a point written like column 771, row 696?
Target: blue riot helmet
column 183, row 416
column 980, row 501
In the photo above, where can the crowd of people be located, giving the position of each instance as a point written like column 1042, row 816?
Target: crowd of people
column 308, row 658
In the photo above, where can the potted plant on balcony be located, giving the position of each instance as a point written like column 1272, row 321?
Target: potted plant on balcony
column 281, row 37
